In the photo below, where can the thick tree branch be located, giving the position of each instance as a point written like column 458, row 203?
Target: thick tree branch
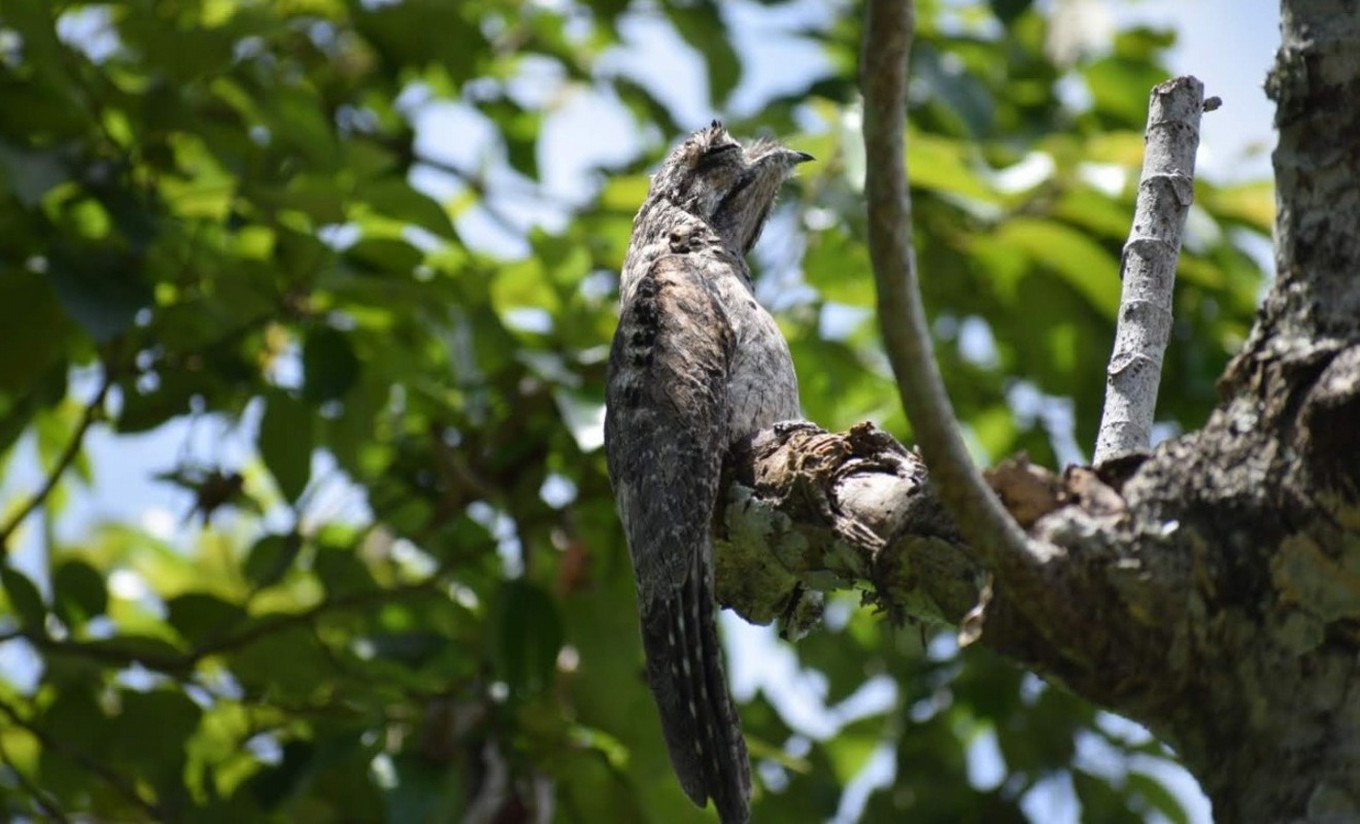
column 1165, row 192
column 989, row 529
column 1314, row 305
column 1209, row 588
column 808, row 511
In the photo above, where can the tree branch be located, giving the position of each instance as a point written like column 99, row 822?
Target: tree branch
column 87, row 418
column 988, row 528
column 808, row 511
column 44, row 804
column 119, row 783
column 478, row 186
column 114, row 653
column 1165, row 192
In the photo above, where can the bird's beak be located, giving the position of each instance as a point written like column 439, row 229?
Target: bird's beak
column 802, row 157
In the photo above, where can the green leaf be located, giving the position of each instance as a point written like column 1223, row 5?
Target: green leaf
column 853, row 745
column 702, row 27
column 285, row 443
column 391, row 29
column 426, row 790
column 839, row 267
column 297, row 120
column 1249, row 204
column 149, row 731
column 950, row 168
column 958, row 98
column 413, row 648
column 24, row 599
column 271, row 557
column 1084, row 264
column 75, row 719
column 30, row 175
column 288, row 664
column 1100, row 801
column 384, row 256
column 320, row 198
column 201, row 617
column 1007, row 10
column 182, row 53
column 273, row 786
column 1157, row 797
column 329, row 365
column 1099, row 215
column 100, row 288
column 341, row 571
column 528, row 637
column 395, row 198
column 35, row 329
column 1120, row 88
column 78, row 593
column 145, row 410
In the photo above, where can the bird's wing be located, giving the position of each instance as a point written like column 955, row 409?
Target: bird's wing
column 665, row 421
column 665, row 435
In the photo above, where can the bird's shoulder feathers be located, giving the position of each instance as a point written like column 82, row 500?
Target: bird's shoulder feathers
column 666, row 414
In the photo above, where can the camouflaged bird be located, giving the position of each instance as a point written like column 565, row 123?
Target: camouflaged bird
column 696, row 365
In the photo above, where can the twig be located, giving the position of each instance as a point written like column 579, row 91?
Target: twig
column 172, row 663
column 68, row 455
column 122, row 785
column 988, row 528
column 46, row 805
column 478, row 186
column 1148, row 270
column 363, row 598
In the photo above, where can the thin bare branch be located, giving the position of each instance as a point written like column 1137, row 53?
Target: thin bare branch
column 1165, row 192
column 988, row 528
column 115, row 652
column 68, row 455
column 44, row 803
column 121, row 784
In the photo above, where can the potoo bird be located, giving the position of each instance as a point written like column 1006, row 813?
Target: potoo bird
column 696, row 365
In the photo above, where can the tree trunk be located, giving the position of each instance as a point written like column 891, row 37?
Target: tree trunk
column 1209, row 589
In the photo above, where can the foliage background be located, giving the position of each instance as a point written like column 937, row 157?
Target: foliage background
column 316, row 246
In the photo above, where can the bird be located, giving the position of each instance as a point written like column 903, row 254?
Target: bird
column 696, row 365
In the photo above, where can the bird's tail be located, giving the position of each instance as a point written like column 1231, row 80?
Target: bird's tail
column 700, row 722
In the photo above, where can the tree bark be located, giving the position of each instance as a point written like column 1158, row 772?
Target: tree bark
column 1209, row 589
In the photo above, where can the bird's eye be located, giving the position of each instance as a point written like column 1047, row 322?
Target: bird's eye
column 716, row 154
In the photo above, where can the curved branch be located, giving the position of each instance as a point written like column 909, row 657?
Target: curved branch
column 986, row 525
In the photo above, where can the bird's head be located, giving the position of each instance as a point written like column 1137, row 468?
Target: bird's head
column 741, row 215
column 698, row 173
column 730, row 187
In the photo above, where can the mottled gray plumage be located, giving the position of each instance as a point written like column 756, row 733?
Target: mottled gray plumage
column 696, row 365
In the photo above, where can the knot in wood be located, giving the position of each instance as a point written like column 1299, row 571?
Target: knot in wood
column 682, row 238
